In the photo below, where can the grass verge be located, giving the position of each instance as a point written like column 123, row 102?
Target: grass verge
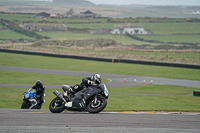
column 10, row 77
column 138, row 98
column 8, row 59
column 120, row 101
column 9, row 34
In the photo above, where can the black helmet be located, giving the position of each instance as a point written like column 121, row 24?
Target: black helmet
column 96, row 78
column 38, row 82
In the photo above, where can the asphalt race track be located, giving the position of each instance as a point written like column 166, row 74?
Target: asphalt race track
column 19, row 120
column 33, row 121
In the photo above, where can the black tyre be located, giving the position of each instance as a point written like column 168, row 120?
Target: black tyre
column 39, row 106
column 56, row 105
column 101, row 104
column 25, row 105
column 196, row 93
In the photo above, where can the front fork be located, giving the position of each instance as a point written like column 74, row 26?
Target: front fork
column 95, row 99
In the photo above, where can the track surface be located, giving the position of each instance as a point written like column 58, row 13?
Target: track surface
column 17, row 120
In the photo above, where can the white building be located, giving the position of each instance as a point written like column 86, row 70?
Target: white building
column 45, row 27
column 131, row 29
column 196, row 12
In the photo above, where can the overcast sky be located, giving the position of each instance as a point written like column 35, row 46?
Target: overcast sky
column 153, row 2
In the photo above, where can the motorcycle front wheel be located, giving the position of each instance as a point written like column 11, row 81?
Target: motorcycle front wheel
column 96, row 108
column 56, row 105
column 25, row 105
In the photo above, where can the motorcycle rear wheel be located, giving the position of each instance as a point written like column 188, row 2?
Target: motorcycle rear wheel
column 55, row 107
column 101, row 104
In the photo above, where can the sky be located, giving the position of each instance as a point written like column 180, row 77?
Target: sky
column 153, row 2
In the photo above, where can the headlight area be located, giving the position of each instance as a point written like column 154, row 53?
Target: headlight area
column 27, row 95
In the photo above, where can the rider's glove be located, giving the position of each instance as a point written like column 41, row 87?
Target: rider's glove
column 70, row 91
column 75, row 87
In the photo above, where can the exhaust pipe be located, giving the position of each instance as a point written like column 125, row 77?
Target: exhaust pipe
column 60, row 96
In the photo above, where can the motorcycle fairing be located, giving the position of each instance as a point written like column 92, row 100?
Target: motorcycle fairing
column 33, row 103
column 81, row 97
column 66, row 87
column 28, row 94
column 104, row 88
column 29, row 97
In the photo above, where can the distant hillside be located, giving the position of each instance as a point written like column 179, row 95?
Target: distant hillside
column 75, row 2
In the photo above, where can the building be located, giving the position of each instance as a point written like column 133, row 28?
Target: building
column 131, row 29
column 53, row 15
column 45, row 27
column 90, row 14
column 42, row 15
column 70, row 12
column 196, row 12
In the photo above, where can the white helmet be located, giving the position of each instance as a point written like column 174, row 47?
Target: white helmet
column 96, row 78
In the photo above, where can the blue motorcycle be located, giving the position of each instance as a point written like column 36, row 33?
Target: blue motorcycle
column 30, row 100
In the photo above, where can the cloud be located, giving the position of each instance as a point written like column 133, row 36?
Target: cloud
column 153, row 2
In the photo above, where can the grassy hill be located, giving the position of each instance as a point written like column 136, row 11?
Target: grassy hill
column 120, row 11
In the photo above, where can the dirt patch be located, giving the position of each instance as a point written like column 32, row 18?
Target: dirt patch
column 78, row 43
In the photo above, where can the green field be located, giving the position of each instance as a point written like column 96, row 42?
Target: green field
column 32, row 18
column 67, row 35
column 8, row 34
column 152, row 103
column 19, row 17
column 137, row 98
column 161, row 26
column 173, row 28
column 101, row 67
column 10, row 77
column 157, row 28
column 123, row 98
column 1, row 26
column 174, row 38
column 165, row 31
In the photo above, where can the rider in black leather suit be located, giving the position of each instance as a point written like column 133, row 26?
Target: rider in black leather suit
column 39, row 91
column 87, row 81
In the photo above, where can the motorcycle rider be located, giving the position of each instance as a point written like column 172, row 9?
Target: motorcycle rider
column 87, row 81
column 39, row 91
